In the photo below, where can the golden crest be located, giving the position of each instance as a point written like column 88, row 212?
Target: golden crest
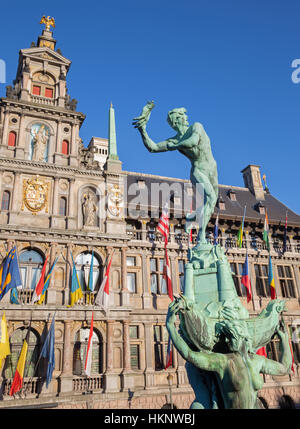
column 115, row 197
column 35, row 194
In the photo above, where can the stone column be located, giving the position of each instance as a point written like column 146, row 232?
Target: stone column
column 174, row 278
column 55, row 197
column 66, row 375
column 16, row 196
column 127, row 377
column 20, row 147
column 276, row 280
column 68, row 273
column 51, row 291
column 5, row 128
column 124, row 291
column 144, row 230
column 147, row 297
column 297, row 279
column 149, row 371
column 74, row 149
column 17, row 191
column 58, row 138
column 111, row 378
column 72, row 212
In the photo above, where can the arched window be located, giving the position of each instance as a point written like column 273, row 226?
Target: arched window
column 16, row 343
column 80, row 349
column 65, row 147
column 5, row 200
column 62, row 206
column 83, row 264
column 12, row 137
column 31, row 263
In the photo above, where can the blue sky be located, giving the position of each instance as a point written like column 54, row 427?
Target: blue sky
column 228, row 62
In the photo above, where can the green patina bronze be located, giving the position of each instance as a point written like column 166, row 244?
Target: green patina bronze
column 216, row 336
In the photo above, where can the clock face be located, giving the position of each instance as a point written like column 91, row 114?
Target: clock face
column 35, row 194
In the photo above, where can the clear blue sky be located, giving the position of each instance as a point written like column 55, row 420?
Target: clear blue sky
column 227, row 61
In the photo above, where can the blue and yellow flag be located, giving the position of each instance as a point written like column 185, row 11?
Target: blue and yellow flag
column 9, row 273
column 46, row 284
column 14, row 296
column 76, row 291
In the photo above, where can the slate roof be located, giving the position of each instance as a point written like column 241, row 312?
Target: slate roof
column 233, row 209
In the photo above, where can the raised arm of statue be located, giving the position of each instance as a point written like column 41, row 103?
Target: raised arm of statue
column 206, row 361
column 140, row 123
column 282, row 367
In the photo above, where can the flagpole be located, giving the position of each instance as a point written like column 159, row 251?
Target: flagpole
column 107, row 262
column 38, row 361
column 22, row 390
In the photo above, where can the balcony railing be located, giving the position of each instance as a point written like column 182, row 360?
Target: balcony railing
column 226, row 242
column 31, row 386
column 88, row 384
column 43, row 100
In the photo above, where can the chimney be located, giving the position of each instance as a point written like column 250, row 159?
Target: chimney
column 252, row 180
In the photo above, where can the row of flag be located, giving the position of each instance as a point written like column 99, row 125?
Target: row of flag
column 47, row 353
column 10, row 279
column 240, row 233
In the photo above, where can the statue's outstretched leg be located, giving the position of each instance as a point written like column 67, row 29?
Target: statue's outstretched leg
column 210, row 199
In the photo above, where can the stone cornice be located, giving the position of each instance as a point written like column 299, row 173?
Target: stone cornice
column 42, row 168
column 31, row 108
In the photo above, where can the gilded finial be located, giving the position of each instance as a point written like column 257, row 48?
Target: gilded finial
column 49, row 22
column 265, row 182
column 111, row 105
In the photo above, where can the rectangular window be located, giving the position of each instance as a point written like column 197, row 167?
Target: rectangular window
column 295, row 342
column 157, row 278
column 261, row 280
column 161, row 337
column 49, row 92
column 133, row 332
column 134, row 356
column 237, row 270
column 36, row 90
column 130, row 261
column 131, row 282
column 286, row 281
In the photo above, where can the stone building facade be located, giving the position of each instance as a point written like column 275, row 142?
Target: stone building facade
column 62, row 200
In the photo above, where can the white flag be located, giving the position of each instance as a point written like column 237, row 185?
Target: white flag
column 102, row 297
column 88, row 359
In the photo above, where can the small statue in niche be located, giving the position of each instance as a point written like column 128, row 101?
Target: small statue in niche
column 40, row 140
column 89, row 209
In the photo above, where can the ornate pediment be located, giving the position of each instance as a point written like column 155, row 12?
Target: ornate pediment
column 44, row 53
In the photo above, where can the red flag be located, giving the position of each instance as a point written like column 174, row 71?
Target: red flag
column 167, row 275
column 88, row 359
column 293, row 369
column 163, row 224
column 246, row 279
column 39, row 287
column 262, row 352
column 19, row 374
